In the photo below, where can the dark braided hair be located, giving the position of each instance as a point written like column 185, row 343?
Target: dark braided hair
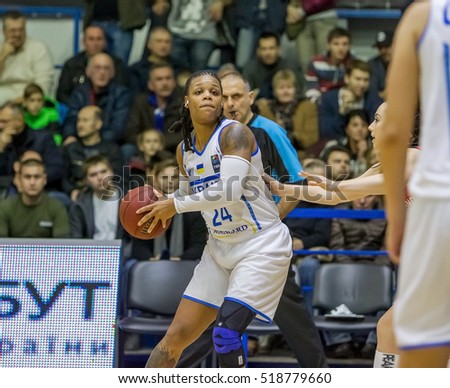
column 185, row 122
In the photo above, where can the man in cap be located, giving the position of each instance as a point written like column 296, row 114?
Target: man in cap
column 380, row 63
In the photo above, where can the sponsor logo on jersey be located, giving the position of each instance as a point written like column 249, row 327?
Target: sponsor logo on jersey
column 215, row 161
column 231, row 232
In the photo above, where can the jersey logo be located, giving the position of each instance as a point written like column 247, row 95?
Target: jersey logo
column 215, row 161
column 200, row 168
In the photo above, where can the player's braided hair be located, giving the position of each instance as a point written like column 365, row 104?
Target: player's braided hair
column 185, row 121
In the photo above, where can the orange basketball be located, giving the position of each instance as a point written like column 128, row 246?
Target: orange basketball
column 134, row 200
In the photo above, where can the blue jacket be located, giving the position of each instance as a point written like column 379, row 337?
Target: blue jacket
column 331, row 122
column 278, row 154
column 115, row 102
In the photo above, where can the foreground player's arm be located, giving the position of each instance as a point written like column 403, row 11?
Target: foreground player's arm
column 237, row 144
column 369, row 183
column 402, row 98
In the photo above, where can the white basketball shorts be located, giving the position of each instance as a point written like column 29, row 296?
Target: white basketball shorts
column 422, row 306
column 251, row 273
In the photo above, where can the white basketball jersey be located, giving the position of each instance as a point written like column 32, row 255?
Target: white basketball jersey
column 431, row 177
column 236, row 221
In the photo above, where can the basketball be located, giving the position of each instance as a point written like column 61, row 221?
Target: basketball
column 134, row 200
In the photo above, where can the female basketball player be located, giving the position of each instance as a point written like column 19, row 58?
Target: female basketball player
column 370, row 183
column 244, row 265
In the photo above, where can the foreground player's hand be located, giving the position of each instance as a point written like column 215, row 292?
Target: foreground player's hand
column 162, row 210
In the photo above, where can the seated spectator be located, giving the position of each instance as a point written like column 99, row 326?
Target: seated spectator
column 379, row 65
column 159, row 45
column 246, row 21
column 327, row 71
column 297, row 116
column 150, row 144
column 41, row 112
column 14, row 186
column 27, row 155
column 100, row 90
column 74, row 70
column 23, row 60
column 186, row 237
column 357, row 234
column 356, row 139
column 260, row 70
column 95, row 214
column 89, row 143
column 158, row 107
column 337, row 158
column 16, row 138
column 331, row 117
column 33, row 213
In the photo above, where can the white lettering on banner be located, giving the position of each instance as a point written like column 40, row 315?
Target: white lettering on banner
column 58, row 303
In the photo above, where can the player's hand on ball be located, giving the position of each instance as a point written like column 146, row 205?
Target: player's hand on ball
column 163, row 210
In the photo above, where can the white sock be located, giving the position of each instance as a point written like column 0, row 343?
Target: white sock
column 385, row 360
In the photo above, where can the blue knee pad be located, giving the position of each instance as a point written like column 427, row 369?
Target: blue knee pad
column 231, row 322
column 228, row 346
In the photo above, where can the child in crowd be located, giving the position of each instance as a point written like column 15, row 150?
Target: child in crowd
column 150, row 144
column 41, row 112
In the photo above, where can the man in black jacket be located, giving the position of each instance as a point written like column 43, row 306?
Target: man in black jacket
column 158, row 107
column 89, row 143
column 16, row 138
column 95, row 214
column 74, row 70
column 100, row 89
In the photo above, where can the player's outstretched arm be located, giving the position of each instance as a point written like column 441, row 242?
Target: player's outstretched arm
column 310, row 193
